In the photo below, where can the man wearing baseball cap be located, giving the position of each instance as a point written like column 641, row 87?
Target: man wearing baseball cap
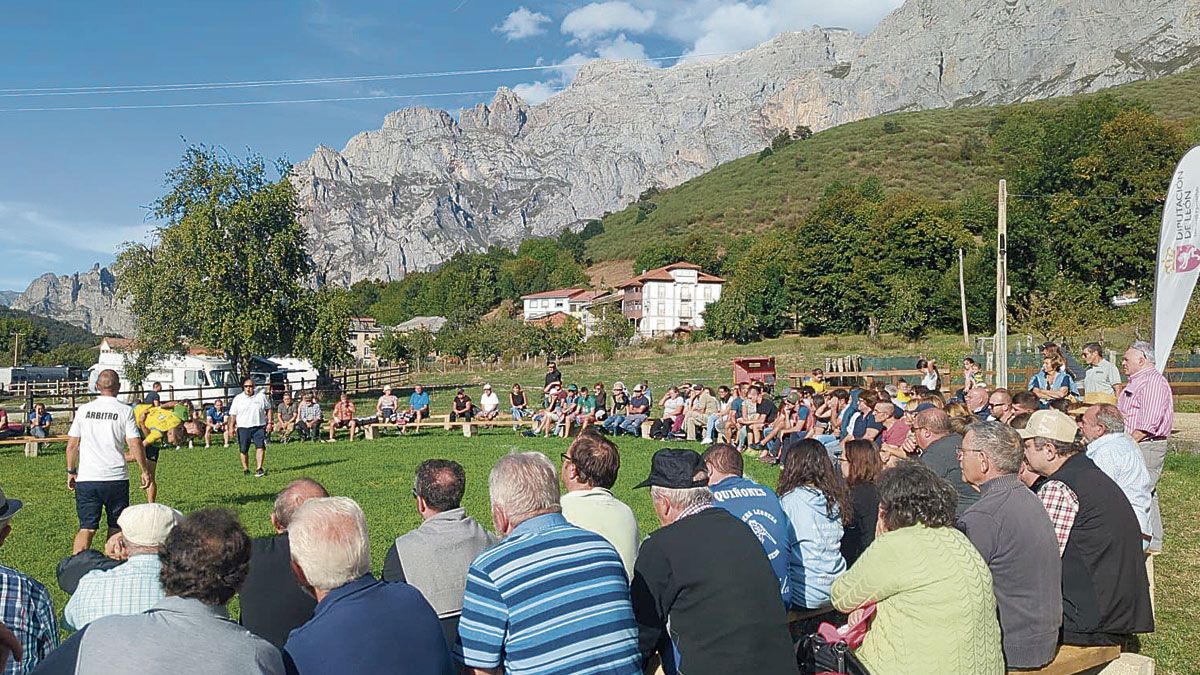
column 25, row 605
column 133, row 586
column 1106, row 594
column 638, row 412
column 690, row 608
column 489, row 404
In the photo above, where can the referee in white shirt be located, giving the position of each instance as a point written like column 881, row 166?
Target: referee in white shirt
column 96, row 470
column 249, row 412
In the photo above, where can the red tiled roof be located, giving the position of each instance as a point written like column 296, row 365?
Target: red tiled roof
column 557, row 293
column 117, row 343
column 664, row 274
column 557, row 320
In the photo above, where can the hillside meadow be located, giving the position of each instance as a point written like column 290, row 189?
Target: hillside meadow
column 938, row 154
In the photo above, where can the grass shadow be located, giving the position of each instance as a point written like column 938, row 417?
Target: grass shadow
column 248, row 499
column 310, row 465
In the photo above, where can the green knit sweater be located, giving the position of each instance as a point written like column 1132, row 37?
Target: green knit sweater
column 935, row 608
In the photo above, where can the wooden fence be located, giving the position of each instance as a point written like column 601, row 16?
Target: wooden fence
column 359, row 380
column 1018, row 378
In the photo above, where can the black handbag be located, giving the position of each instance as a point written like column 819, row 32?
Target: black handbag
column 817, row 656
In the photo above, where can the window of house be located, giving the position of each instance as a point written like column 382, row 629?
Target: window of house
column 662, row 307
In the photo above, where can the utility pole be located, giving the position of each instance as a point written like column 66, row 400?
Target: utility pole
column 16, row 347
column 1000, row 344
column 962, row 297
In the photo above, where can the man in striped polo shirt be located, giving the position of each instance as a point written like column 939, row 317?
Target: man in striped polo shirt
column 1149, row 411
column 551, row 598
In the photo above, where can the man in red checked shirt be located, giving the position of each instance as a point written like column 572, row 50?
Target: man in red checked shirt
column 1149, row 412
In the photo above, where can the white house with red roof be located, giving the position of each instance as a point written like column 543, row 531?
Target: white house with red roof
column 571, row 301
column 668, row 299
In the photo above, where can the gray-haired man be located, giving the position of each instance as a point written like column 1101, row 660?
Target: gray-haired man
column 361, row 625
column 272, row 602
column 1014, row 535
column 1148, row 407
column 686, row 602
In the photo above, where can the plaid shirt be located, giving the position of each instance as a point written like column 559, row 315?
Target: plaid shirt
column 26, row 609
column 130, row 588
column 1146, row 404
column 1063, row 505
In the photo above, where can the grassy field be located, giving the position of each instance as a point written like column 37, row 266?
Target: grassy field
column 379, row 475
column 940, row 154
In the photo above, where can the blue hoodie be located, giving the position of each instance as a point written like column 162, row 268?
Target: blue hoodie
column 760, row 509
column 816, row 550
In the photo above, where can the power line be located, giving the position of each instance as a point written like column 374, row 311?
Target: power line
column 154, row 88
column 206, row 86
column 241, row 84
column 150, row 106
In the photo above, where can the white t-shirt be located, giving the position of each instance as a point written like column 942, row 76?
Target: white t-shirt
column 673, row 406
column 489, row 401
column 102, row 427
column 250, row 411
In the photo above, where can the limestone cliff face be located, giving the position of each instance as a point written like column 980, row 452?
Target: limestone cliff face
column 425, row 185
column 85, row 299
column 409, row 195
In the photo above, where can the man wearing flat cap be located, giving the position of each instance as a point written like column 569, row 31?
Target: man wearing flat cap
column 133, row 586
column 704, row 596
column 1105, row 590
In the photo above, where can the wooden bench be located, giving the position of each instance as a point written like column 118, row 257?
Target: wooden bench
column 442, row 422
column 429, row 422
column 1072, row 660
column 31, row 442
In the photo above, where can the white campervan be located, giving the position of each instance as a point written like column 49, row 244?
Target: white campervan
column 200, row 378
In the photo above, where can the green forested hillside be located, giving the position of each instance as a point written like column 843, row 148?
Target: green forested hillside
column 938, row 154
column 44, row 341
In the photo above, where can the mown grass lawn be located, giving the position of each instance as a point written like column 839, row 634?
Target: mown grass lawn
column 378, row 474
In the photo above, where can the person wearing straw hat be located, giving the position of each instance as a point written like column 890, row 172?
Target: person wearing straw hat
column 133, row 586
column 25, row 605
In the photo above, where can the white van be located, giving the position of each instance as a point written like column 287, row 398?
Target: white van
column 199, row 378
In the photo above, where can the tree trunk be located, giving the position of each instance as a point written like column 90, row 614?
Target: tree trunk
column 872, row 328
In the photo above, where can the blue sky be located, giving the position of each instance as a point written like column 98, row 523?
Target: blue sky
column 75, row 184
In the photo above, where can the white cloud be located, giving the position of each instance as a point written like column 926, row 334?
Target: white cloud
column 54, row 233
column 619, row 48
column 715, row 27
column 534, row 93
column 604, row 18
column 522, row 23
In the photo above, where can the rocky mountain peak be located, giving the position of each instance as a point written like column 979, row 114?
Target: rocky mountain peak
column 409, row 195
column 85, row 299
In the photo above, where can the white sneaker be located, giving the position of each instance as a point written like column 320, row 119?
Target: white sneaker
column 227, row 445
column 208, row 445
column 706, row 441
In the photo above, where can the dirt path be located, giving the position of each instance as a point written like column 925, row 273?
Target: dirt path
column 1187, row 431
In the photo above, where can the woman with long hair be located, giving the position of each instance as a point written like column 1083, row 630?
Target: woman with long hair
column 817, row 503
column 960, row 416
column 935, row 609
column 861, row 466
